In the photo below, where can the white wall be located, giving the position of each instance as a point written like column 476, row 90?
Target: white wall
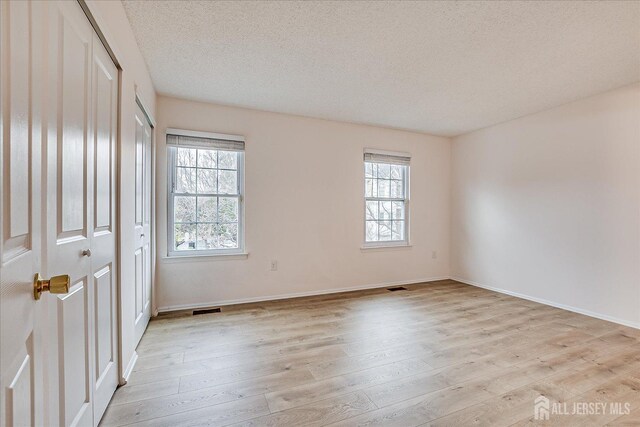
column 134, row 79
column 305, row 208
column 548, row 206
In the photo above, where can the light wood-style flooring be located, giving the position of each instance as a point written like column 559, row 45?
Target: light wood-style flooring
column 437, row 354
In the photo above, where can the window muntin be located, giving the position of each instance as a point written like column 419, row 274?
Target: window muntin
column 205, row 206
column 386, row 202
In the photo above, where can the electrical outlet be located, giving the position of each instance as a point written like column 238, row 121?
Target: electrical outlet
column 434, row 254
column 274, row 265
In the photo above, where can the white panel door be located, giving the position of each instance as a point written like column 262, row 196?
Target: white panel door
column 142, row 230
column 69, row 220
column 80, row 220
column 104, row 108
column 21, row 352
column 59, row 87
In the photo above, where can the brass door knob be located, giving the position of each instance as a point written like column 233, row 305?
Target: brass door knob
column 55, row 285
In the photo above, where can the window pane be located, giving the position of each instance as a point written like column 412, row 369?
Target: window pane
column 368, row 170
column 385, row 220
column 228, row 235
column 227, row 182
column 184, row 209
column 201, row 221
column 397, row 232
column 383, row 188
column 217, row 236
column 186, row 157
column 384, row 171
column 206, row 181
column 372, row 210
column 207, row 236
column 384, row 232
column 396, row 171
column 185, row 237
column 185, row 180
column 372, row 231
column 385, row 210
column 370, row 188
column 207, row 158
column 398, row 210
column 207, row 209
column 227, row 160
column 228, row 209
column 397, row 189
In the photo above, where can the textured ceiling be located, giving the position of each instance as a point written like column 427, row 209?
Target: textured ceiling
column 444, row 68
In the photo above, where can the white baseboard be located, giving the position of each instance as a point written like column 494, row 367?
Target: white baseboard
column 294, row 295
column 221, row 303
column 589, row 313
column 127, row 372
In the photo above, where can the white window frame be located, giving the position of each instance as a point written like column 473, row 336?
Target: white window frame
column 407, row 199
column 171, row 177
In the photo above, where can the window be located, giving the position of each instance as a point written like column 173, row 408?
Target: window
column 386, row 199
column 205, row 194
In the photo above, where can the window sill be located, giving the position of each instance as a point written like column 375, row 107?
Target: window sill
column 382, row 247
column 204, row 257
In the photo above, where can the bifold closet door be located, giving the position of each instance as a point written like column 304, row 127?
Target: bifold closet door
column 103, row 275
column 21, row 350
column 58, row 353
column 142, row 229
column 80, row 217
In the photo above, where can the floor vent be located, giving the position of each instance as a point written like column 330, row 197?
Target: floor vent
column 397, row 288
column 206, row 311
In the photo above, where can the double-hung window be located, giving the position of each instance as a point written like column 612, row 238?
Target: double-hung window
column 205, row 193
column 386, row 198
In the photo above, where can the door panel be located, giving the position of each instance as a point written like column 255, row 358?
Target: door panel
column 21, row 394
column 139, row 167
column 147, row 173
column 19, row 405
column 74, row 86
column 146, row 291
column 105, row 96
column 19, row 129
column 75, row 384
column 139, row 282
column 17, row 134
column 104, row 310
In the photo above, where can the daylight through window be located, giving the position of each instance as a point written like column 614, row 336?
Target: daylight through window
column 205, row 196
column 386, row 198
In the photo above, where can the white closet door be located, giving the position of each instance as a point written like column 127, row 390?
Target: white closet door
column 142, row 229
column 80, row 239
column 59, row 114
column 69, row 219
column 21, row 352
column 104, row 107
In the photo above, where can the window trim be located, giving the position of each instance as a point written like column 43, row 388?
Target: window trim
column 381, row 244
column 171, row 176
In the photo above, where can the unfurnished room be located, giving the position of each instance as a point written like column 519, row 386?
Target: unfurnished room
column 319, row 213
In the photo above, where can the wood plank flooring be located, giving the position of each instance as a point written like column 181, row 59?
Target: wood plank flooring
column 437, row 354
